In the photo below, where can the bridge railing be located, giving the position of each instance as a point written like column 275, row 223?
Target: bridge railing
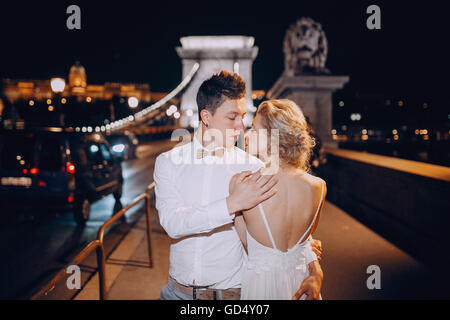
column 403, row 200
column 98, row 246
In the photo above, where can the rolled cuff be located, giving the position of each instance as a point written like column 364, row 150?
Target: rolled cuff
column 310, row 255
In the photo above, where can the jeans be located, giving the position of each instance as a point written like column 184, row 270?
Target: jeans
column 168, row 293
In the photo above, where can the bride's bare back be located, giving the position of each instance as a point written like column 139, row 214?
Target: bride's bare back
column 290, row 212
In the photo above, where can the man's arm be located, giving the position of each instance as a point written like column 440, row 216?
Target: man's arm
column 311, row 285
column 177, row 219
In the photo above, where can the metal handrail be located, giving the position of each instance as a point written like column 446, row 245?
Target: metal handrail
column 85, row 252
column 100, row 235
column 99, row 247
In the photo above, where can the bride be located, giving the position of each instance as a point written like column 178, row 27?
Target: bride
column 277, row 232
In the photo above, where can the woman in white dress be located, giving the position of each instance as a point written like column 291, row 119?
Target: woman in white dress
column 277, row 232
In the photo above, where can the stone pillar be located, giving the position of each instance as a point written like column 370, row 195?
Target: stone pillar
column 214, row 53
column 313, row 94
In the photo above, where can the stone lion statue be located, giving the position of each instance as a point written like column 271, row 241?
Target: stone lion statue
column 305, row 48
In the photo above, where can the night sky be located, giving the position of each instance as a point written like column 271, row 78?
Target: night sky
column 132, row 41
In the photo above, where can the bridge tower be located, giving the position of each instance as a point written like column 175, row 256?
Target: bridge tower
column 214, row 53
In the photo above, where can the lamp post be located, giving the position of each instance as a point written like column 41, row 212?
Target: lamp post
column 58, row 85
column 133, row 102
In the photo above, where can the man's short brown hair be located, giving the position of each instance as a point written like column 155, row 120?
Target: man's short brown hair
column 217, row 88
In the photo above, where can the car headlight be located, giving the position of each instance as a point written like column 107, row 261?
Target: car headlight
column 118, row 148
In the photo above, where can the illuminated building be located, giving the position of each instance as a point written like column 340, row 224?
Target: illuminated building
column 77, row 86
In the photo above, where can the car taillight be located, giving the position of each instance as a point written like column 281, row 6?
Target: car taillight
column 41, row 183
column 70, row 167
column 70, row 199
column 25, row 171
column 34, row 170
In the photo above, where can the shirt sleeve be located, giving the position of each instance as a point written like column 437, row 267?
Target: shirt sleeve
column 178, row 219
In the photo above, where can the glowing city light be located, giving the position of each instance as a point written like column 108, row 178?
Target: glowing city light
column 133, row 102
column 93, row 148
column 57, row 84
column 236, row 67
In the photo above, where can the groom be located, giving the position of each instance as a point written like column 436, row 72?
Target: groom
column 196, row 209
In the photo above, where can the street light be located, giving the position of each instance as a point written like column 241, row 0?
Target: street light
column 58, row 85
column 133, row 102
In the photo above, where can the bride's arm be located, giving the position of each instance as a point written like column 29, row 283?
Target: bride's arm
column 241, row 229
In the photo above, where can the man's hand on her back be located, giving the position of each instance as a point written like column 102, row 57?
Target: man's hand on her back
column 316, row 246
column 248, row 190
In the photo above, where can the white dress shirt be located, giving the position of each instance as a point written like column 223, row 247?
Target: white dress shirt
column 191, row 202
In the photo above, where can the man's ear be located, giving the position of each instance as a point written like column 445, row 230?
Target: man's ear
column 205, row 116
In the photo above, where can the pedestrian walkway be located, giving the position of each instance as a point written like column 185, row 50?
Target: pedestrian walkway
column 349, row 248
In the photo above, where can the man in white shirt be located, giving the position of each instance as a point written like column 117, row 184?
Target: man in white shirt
column 193, row 200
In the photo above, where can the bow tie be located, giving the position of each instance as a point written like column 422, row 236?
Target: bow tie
column 201, row 153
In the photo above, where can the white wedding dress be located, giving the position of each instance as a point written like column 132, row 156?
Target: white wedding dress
column 271, row 274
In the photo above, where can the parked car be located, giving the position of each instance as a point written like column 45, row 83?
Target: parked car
column 53, row 169
column 123, row 145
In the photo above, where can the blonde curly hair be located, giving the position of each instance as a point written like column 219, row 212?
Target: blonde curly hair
column 295, row 142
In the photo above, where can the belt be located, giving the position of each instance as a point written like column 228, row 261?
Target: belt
column 206, row 293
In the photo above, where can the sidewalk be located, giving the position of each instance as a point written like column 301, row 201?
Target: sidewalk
column 128, row 276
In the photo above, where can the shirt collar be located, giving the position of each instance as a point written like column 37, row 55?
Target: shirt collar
column 198, row 145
